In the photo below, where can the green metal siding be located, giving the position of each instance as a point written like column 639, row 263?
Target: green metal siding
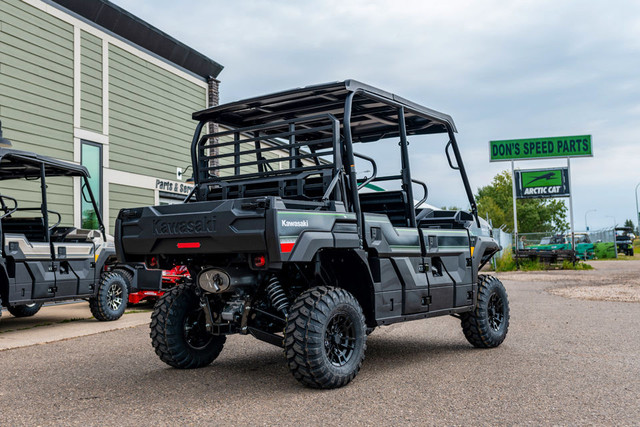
column 124, row 196
column 36, row 96
column 91, row 82
column 36, row 80
column 150, row 125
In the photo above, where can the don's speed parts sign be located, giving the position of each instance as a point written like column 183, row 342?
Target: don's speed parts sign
column 540, row 148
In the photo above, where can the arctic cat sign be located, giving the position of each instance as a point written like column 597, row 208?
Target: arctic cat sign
column 540, row 148
column 542, row 183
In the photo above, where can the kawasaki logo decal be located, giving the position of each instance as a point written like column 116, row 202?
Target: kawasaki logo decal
column 301, row 223
column 203, row 225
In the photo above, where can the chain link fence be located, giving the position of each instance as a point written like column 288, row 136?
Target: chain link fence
column 607, row 235
column 504, row 239
column 603, row 235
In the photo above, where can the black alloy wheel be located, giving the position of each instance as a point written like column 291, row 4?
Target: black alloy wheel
column 340, row 340
column 325, row 337
column 178, row 330
column 195, row 330
column 495, row 310
column 486, row 326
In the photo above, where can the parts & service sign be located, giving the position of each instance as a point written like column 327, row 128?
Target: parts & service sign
column 540, row 148
column 542, row 183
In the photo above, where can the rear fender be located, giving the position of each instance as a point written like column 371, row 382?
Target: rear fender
column 485, row 249
column 143, row 279
column 349, row 270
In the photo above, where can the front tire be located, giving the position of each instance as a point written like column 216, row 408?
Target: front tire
column 487, row 325
column 178, row 331
column 325, row 338
column 24, row 310
column 111, row 298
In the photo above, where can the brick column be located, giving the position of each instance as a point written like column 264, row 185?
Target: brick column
column 213, row 100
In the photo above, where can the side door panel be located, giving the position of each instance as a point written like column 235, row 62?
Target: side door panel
column 448, row 268
column 75, row 268
column 403, row 284
column 33, row 275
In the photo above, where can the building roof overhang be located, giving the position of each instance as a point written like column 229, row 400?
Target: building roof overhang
column 128, row 26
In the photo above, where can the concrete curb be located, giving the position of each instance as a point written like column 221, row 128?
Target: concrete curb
column 57, row 323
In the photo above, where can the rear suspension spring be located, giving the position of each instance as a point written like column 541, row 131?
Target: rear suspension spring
column 277, row 295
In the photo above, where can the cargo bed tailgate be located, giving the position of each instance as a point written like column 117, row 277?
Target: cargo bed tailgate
column 226, row 226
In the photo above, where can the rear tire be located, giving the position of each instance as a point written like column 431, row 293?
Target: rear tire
column 325, row 338
column 111, row 298
column 487, row 325
column 178, row 332
column 24, row 310
column 128, row 277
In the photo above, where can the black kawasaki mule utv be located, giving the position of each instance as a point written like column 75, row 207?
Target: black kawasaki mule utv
column 285, row 244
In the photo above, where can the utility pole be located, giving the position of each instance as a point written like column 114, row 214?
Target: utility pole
column 586, row 226
column 637, row 211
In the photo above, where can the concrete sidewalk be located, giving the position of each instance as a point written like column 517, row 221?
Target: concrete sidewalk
column 61, row 322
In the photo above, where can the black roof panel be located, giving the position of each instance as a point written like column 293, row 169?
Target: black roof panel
column 16, row 164
column 374, row 114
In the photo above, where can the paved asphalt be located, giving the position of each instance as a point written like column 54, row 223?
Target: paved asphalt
column 564, row 362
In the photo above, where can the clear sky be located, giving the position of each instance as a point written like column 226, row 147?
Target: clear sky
column 503, row 70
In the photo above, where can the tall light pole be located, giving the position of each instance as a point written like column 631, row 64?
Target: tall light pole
column 585, row 218
column 615, row 241
column 637, row 211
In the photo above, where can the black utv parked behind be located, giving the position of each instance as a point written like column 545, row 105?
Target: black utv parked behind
column 43, row 261
column 285, row 243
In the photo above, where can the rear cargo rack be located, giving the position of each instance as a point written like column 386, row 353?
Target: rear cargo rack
column 298, row 159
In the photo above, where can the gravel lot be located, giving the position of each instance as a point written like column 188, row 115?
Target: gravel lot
column 565, row 361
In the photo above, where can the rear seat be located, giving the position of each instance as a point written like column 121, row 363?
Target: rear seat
column 32, row 228
column 391, row 203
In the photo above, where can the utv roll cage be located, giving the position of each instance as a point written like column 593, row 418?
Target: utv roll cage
column 16, row 164
column 314, row 129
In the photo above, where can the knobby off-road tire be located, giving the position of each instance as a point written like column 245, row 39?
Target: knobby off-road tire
column 111, row 299
column 487, row 325
column 178, row 330
column 325, row 337
column 25, row 310
column 128, row 277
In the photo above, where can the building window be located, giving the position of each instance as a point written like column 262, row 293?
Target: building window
column 92, row 160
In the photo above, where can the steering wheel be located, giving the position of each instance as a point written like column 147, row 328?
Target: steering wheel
column 7, row 210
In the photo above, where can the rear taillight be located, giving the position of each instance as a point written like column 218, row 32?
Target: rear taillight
column 259, row 261
column 188, row 245
column 286, row 247
column 152, row 262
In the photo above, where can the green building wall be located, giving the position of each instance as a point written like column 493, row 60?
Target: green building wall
column 122, row 196
column 36, row 96
column 63, row 81
column 150, row 123
column 91, row 82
